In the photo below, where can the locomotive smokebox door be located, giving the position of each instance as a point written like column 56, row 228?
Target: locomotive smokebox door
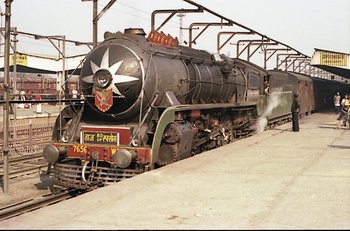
column 117, row 69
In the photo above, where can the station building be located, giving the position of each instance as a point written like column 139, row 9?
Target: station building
column 334, row 62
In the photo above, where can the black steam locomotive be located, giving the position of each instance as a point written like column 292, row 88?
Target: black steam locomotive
column 150, row 102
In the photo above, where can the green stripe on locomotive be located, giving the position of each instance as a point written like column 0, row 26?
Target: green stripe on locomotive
column 168, row 116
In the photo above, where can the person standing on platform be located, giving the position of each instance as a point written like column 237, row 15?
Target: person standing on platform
column 295, row 113
column 344, row 112
column 29, row 95
column 341, row 106
column 23, row 98
column 38, row 103
column 23, row 95
column 337, row 99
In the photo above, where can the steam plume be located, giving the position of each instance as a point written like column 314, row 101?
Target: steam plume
column 274, row 101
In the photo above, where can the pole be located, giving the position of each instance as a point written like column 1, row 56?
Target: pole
column 6, row 93
column 94, row 23
column 65, row 76
column 14, row 106
column 181, row 15
column 96, row 17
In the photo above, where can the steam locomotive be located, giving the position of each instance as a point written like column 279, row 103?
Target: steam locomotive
column 150, row 102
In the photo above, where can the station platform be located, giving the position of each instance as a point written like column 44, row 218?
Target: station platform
column 32, row 112
column 277, row 179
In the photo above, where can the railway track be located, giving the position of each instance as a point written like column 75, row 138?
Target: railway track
column 24, row 165
column 33, row 204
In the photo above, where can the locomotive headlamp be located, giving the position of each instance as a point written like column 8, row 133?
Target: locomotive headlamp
column 124, row 157
column 102, row 78
column 51, row 153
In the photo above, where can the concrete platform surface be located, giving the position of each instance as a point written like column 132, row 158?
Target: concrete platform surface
column 33, row 112
column 277, row 179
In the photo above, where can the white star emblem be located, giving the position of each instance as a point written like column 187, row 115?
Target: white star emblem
column 112, row 69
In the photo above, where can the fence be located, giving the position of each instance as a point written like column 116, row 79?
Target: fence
column 28, row 135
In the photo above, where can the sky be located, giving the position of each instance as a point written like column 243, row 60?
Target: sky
column 301, row 24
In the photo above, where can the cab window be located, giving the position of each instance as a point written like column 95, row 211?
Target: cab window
column 253, row 81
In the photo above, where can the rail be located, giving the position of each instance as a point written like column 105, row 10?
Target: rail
column 32, row 204
column 24, row 165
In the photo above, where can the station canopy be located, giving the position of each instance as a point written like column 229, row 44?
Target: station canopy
column 331, row 61
column 43, row 65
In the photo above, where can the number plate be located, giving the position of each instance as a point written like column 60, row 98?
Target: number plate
column 101, row 137
column 80, row 148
